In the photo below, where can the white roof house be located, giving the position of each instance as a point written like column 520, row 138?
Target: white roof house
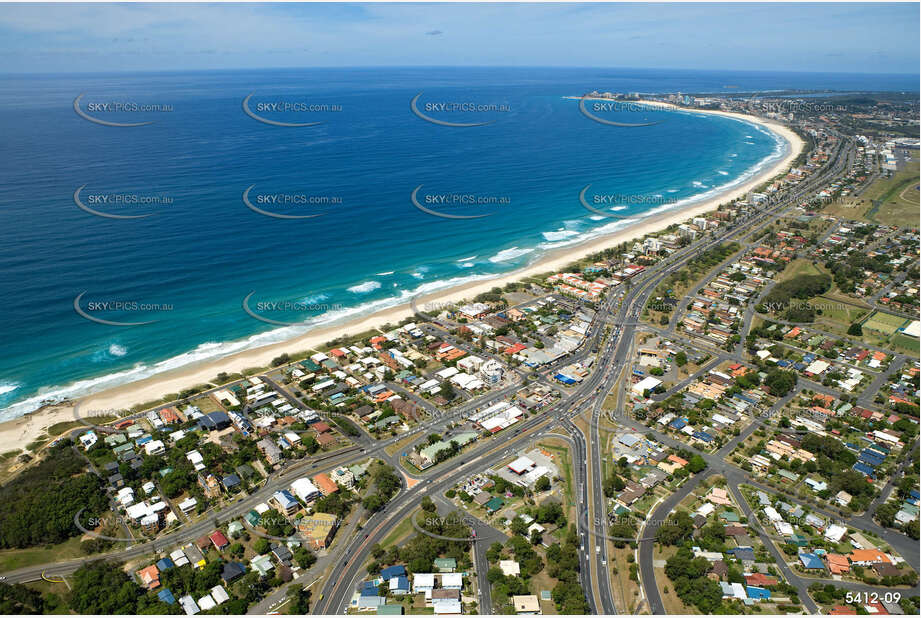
column 304, row 489
column 510, row 568
column 219, row 594
column 521, row 465
column 188, row 504
column 206, row 603
column 835, row 533
column 423, row 582
column 452, row 581
column 154, row 447
column 647, row 383
column 179, row 558
column 88, row 439
column 188, row 605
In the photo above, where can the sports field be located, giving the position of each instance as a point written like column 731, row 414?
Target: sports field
column 885, row 323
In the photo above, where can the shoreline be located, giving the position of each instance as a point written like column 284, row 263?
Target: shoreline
column 18, row 432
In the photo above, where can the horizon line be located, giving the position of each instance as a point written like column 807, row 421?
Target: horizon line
column 445, row 66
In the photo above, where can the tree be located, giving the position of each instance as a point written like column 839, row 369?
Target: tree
column 300, row 599
column 542, row 484
column 447, row 391
column 676, row 529
column 261, row 545
column 518, row 526
column 18, row 599
column 38, row 506
column 304, row 557
column 373, row 503
column 696, row 464
column 101, row 587
column 536, row 537
column 681, row 359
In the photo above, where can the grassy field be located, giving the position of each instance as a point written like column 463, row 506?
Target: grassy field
column 401, row 531
column 673, row 604
column 799, row 267
column 904, row 343
column 896, row 200
column 882, row 329
column 837, row 312
column 402, row 445
column 626, row 591
column 11, row 559
column 206, row 405
column 884, row 323
column 560, row 450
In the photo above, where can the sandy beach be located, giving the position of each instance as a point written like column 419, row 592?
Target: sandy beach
column 17, row 433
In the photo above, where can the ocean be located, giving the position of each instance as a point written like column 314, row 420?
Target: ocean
column 329, row 228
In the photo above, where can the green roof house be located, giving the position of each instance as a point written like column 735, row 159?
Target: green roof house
column 252, row 518
column 494, row 505
column 730, row 516
column 445, row 565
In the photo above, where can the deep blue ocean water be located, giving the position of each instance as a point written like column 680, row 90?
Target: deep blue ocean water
column 203, row 252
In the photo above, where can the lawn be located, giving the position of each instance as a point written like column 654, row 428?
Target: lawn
column 673, row 604
column 626, row 591
column 799, row 267
column 207, row 404
column 399, row 532
column 12, row 559
column 888, row 201
column 837, row 311
column 896, row 198
column 904, row 343
column 561, row 457
column 401, row 446
column 884, row 323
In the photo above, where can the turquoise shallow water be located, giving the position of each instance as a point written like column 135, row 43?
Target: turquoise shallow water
column 203, row 250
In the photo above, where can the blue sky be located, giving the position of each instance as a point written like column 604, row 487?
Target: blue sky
column 859, row 38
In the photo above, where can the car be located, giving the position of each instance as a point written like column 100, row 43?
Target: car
column 597, row 549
